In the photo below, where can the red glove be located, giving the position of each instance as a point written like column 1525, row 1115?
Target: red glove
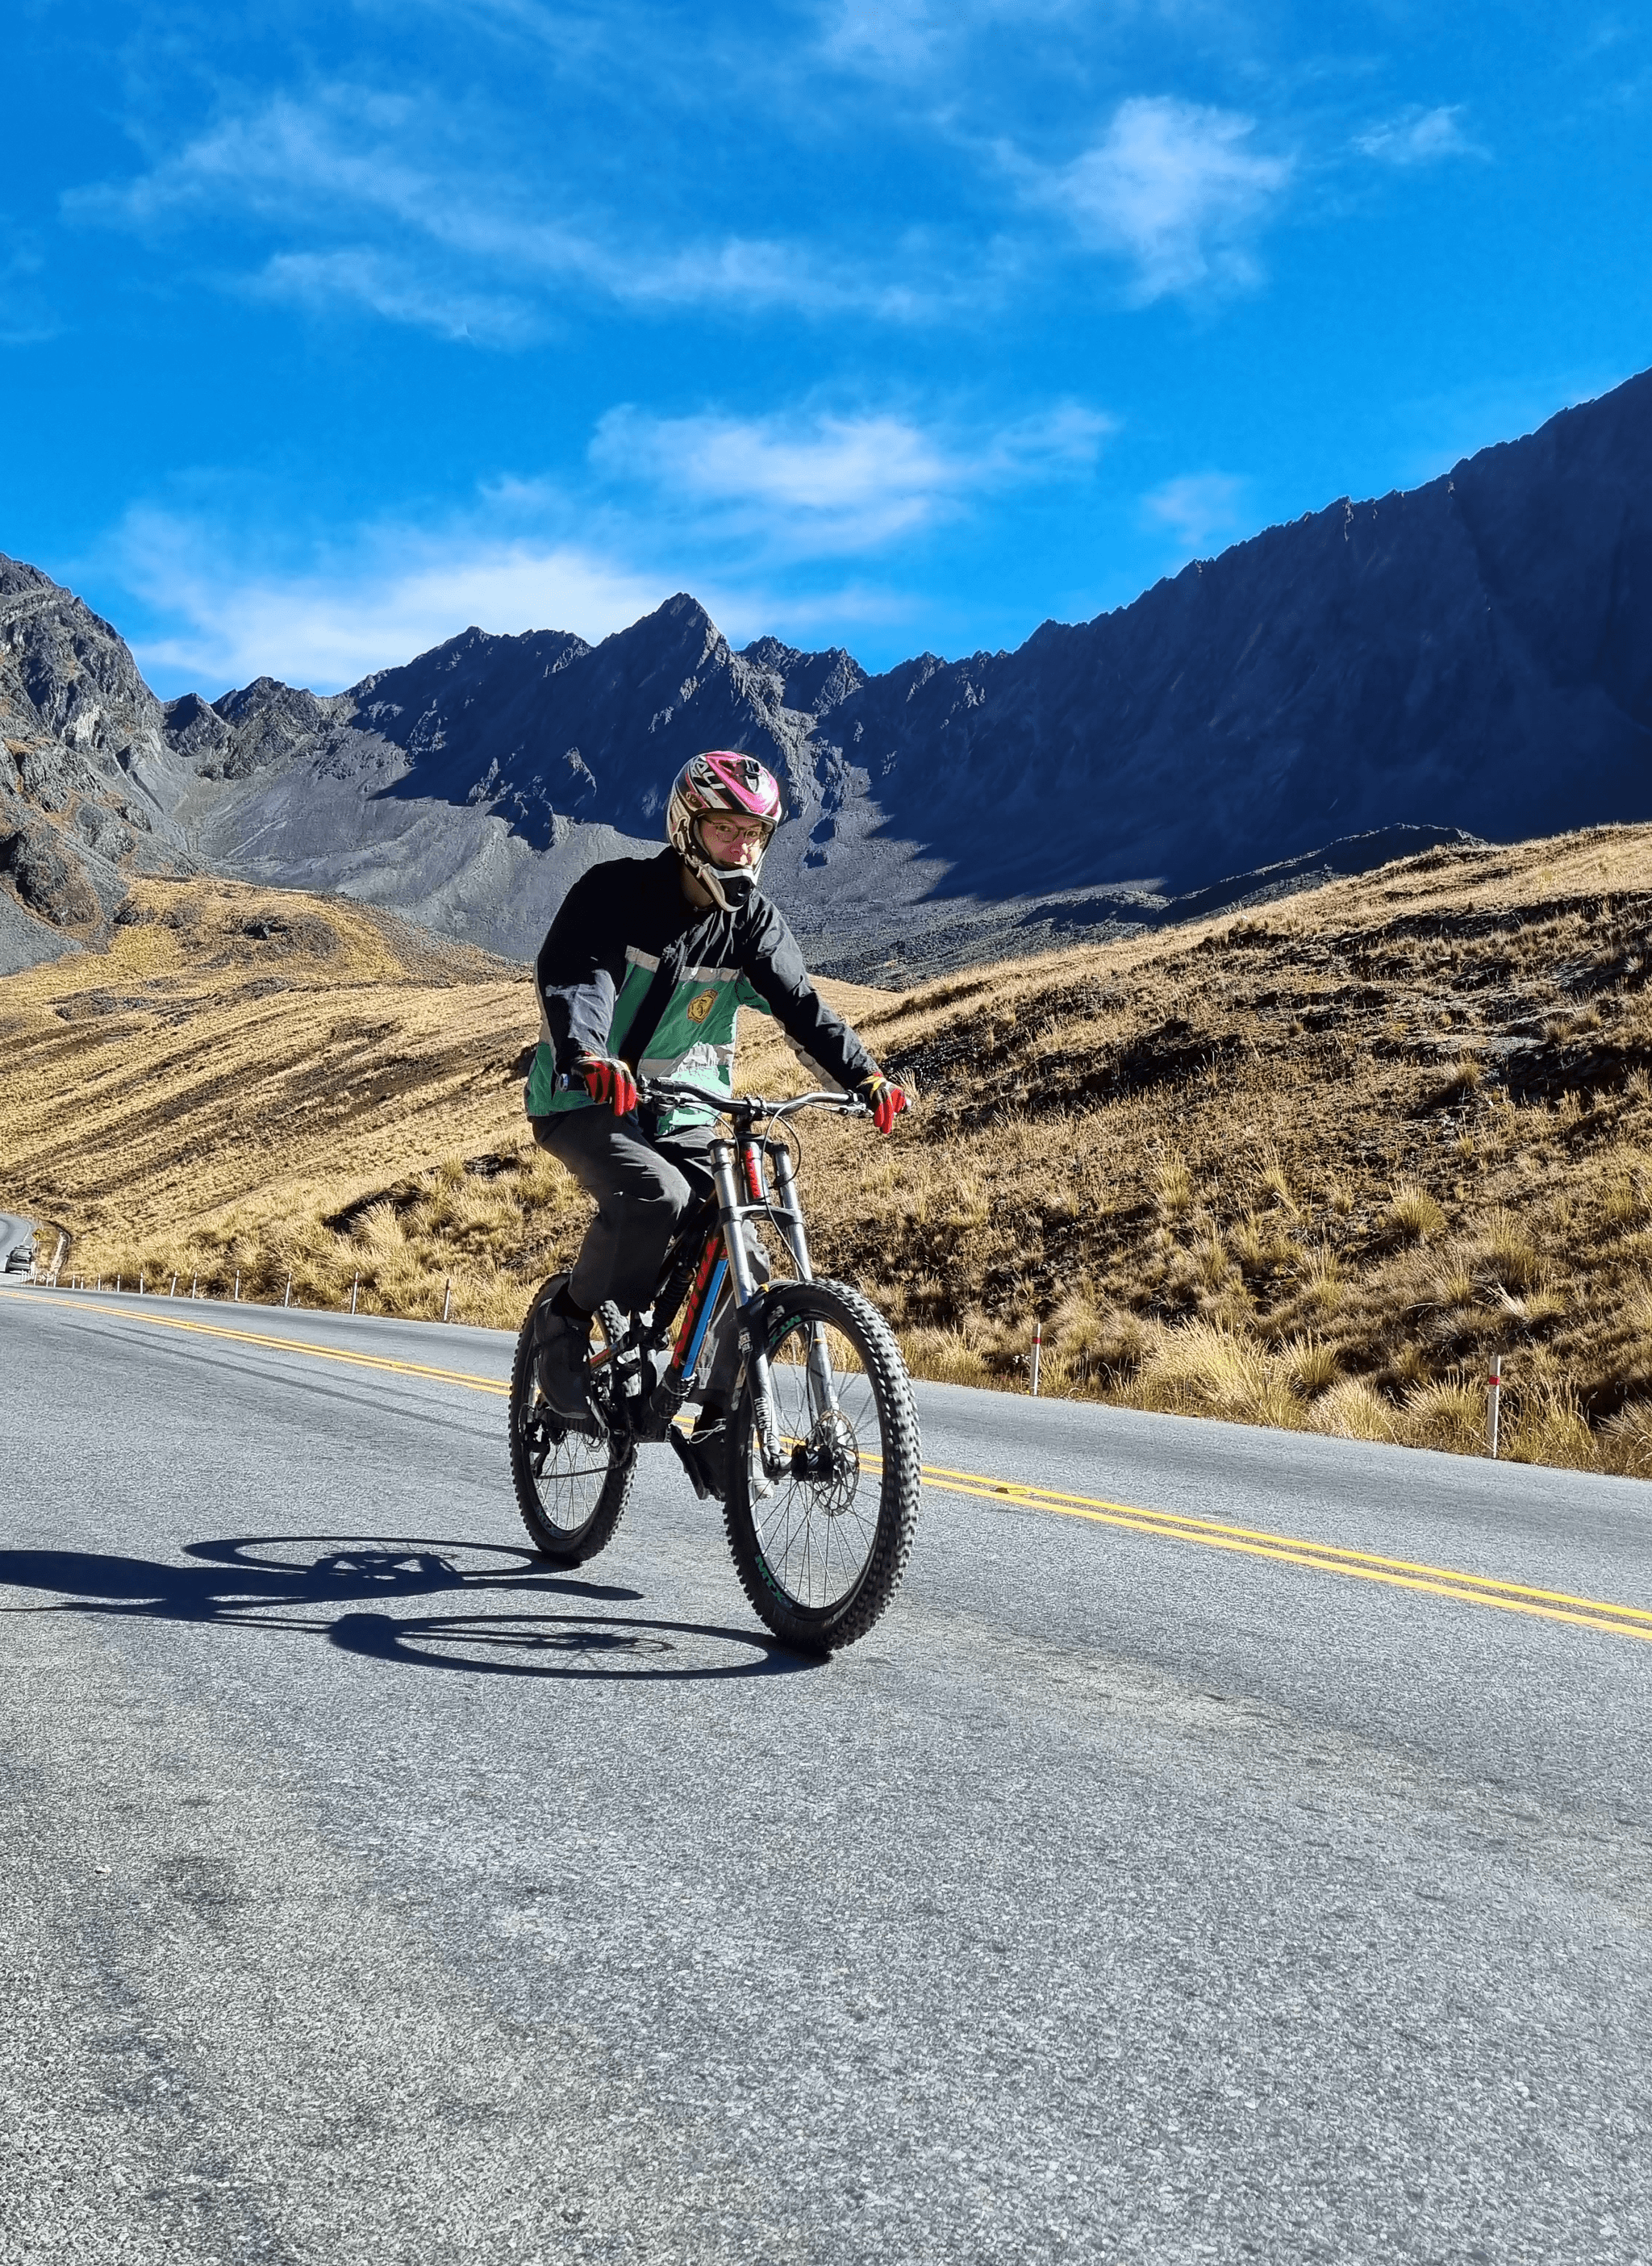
column 885, row 1100
column 609, row 1081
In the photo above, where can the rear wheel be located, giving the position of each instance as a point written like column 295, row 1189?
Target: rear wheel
column 571, row 1482
column 821, row 1550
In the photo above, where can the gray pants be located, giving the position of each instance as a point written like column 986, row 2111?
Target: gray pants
column 641, row 1188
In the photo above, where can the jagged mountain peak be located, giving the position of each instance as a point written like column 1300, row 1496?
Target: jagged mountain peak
column 1470, row 653
column 16, row 575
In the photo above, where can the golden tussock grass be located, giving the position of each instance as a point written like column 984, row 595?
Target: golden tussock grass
column 1308, row 1168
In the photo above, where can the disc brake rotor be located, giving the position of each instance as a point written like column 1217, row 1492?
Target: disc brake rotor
column 828, row 1462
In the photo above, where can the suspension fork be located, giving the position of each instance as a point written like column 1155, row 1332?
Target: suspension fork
column 788, row 1212
column 735, row 1212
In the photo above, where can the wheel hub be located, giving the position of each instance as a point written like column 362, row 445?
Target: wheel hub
column 828, row 1461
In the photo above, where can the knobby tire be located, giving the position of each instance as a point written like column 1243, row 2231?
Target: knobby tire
column 571, row 1489
column 771, row 1540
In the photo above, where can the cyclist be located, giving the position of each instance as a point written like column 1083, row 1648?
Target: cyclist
column 641, row 976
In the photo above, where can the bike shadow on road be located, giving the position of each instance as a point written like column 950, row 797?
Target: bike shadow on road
column 325, row 1586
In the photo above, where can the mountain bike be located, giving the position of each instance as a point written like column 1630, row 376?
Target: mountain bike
column 817, row 1460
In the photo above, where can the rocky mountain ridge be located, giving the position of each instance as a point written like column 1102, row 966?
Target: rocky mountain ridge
column 89, row 780
column 1472, row 657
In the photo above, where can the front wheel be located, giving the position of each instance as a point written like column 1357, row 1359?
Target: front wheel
column 821, row 1550
column 571, row 1482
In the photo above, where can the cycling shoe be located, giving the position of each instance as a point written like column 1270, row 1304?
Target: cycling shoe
column 560, row 1367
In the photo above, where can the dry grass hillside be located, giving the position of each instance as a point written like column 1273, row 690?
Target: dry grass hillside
column 257, row 1082
column 1309, row 1167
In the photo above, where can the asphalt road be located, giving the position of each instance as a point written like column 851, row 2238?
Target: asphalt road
column 1135, row 1892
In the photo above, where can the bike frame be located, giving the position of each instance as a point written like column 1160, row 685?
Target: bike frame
column 723, row 1274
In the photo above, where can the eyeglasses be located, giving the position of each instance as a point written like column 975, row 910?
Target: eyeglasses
column 735, row 833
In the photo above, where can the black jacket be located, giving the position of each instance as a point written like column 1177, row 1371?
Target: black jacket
column 630, row 968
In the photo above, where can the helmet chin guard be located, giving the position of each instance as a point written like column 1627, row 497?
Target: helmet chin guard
column 721, row 784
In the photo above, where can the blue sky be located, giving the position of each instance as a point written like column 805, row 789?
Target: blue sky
column 327, row 331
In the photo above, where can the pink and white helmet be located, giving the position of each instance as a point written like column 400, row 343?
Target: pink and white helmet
column 720, row 784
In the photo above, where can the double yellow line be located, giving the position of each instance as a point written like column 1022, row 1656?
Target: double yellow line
column 1318, row 1557
column 144, row 1312
column 1164, row 1525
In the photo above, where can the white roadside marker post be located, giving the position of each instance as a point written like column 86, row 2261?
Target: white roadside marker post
column 1038, row 1347
column 447, row 1300
column 117, row 1286
column 287, row 1295
column 236, row 1294
column 140, row 1282
column 1494, row 1403
column 172, row 1293
column 194, row 1290
column 356, row 1284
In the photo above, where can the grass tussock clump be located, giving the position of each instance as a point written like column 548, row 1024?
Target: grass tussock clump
column 1210, row 1369
column 1413, row 1213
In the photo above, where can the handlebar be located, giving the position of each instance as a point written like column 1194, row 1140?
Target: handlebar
column 750, row 1106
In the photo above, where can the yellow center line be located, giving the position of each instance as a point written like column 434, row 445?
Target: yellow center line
column 1319, row 1558
column 291, row 1345
column 1182, row 1526
column 1163, row 1525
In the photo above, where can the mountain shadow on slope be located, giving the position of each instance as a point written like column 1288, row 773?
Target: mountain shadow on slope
column 1474, row 654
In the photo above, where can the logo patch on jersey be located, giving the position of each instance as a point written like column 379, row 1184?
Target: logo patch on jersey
column 700, row 1007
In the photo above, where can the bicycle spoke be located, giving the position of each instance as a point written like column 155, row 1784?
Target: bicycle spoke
column 571, row 1485
column 817, row 1533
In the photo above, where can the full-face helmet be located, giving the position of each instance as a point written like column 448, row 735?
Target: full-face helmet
column 721, row 784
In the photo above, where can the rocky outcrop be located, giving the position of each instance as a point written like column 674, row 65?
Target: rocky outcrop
column 49, row 880
column 89, row 781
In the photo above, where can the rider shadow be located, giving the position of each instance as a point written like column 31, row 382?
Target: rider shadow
column 230, row 1585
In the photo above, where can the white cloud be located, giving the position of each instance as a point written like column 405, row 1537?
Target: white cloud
column 855, row 479
column 893, row 36
column 25, row 316
column 904, row 39
column 1172, row 185
column 1199, row 508
column 823, row 481
column 395, row 289
column 1419, row 137
column 749, row 514
column 1065, row 438
column 397, row 593
column 438, row 241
